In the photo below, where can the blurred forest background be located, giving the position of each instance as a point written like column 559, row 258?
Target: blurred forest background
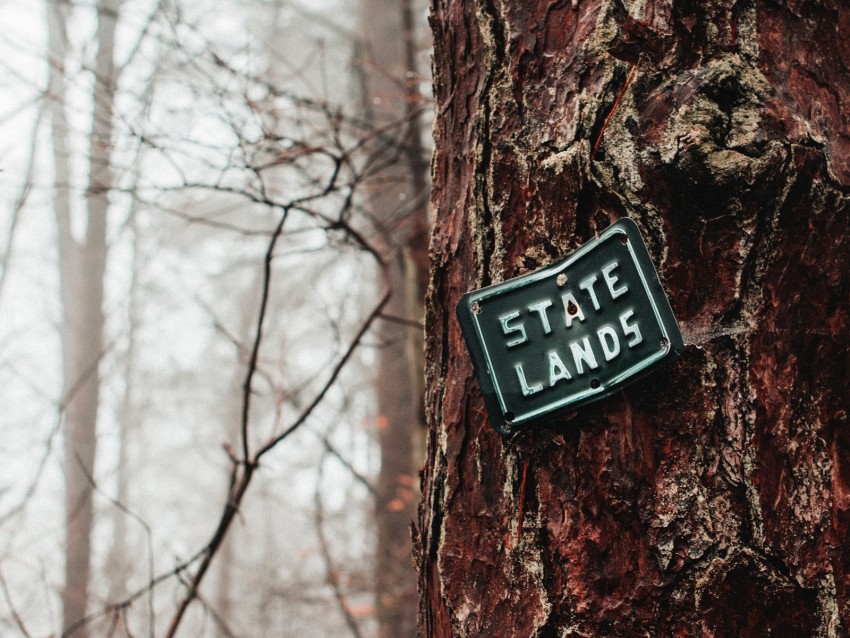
column 213, row 243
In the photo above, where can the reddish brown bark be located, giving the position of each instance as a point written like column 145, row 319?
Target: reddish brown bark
column 713, row 497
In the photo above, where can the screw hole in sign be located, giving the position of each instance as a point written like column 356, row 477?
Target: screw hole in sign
column 594, row 383
column 509, row 416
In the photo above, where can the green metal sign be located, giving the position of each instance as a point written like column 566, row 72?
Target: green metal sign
column 571, row 333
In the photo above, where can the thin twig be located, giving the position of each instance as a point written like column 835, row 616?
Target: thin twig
column 330, row 570
column 20, row 201
column 347, row 465
column 613, row 108
column 403, row 321
column 118, row 607
column 243, row 472
column 302, row 418
column 258, row 336
column 231, row 508
column 223, row 627
column 15, row 616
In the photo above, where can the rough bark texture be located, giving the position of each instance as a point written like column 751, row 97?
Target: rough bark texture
column 712, row 498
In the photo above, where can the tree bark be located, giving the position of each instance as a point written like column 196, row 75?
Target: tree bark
column 713, row 497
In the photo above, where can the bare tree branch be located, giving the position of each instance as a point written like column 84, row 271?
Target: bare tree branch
column 20, row 201
column 148, row 534
column 15, row 615
column 242, row 473
column 330, row 449
column 258, row 337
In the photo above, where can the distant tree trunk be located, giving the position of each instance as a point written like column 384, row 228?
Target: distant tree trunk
column 399, row 201
column 120, row 560
column 82, row 264
column 713, row 497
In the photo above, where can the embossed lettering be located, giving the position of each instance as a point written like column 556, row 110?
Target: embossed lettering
column 612, row 280
column 609, row 341
column 508, row 329
column 587, row 284
column 583, row 354
column 527, row 390
column 630, row 329
column 540, row 309
column 557, row 369
column 572, row 309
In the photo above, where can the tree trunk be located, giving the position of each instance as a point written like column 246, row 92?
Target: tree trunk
column 398, row 201
column 82, row 266
column 711, row 498
column 120, row 559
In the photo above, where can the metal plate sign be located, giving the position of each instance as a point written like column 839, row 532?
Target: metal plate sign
column 571, row 333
